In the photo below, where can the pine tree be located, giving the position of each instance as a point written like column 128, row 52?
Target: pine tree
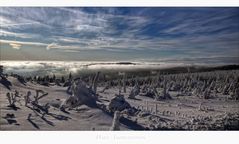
column 1, row 70
column 70, row 76
column 62, row 79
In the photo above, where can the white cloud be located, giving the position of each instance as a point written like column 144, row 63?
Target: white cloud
column 5, row 33
column 15, row 45
column 52, row 46
column 22, row 43
column 66, row 48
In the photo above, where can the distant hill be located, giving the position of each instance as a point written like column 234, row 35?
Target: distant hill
column 197, row 69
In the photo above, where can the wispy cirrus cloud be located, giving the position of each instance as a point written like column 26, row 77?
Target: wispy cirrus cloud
column 22, row 42
column 158, row 32
column 4, row 33
column 66, row 48
column 18, row 44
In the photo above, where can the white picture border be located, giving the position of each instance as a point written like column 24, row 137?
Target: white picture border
column 125, row 137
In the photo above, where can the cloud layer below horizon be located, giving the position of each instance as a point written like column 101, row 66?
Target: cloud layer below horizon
column 124, row 34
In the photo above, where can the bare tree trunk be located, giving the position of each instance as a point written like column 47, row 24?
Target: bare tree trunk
column 95, row 82
column 116, row 124
column 9, row 98
column 124, row 83
column 156, row 109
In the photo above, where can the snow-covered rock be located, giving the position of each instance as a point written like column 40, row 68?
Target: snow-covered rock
column 118, row 103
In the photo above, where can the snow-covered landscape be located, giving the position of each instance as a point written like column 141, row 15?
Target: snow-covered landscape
column 120, row 100
column 119, row 68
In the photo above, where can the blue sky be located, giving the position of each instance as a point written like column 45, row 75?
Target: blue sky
column 124, row 34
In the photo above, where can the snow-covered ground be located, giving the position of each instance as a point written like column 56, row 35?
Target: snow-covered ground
column 179, row 113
